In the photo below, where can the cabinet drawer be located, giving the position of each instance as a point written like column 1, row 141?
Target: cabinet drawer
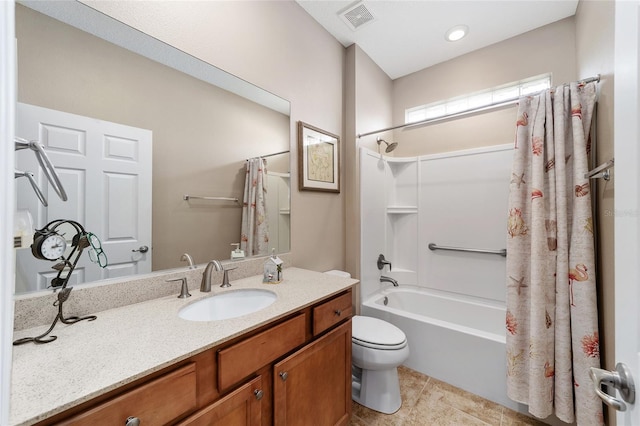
column 332, row 312
column 246, row 357
column 155, row 403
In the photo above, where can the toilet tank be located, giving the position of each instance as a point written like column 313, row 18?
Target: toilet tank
column 339, row 273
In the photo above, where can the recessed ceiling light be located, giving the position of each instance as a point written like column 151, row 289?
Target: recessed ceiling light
column 456, row 33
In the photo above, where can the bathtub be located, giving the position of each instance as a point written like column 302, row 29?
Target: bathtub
column 454, row 338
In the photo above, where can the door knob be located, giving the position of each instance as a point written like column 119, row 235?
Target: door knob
column 142, row 249
column 132, row 421
column 620, row 379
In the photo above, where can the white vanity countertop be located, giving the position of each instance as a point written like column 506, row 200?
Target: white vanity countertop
column 90, row 358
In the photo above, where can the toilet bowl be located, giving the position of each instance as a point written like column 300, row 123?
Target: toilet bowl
column 377, row 349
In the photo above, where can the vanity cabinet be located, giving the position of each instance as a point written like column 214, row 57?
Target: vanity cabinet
column 293, row 371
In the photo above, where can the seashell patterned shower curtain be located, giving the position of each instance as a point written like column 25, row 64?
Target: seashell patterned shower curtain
column 254, row 239
column 552, row 318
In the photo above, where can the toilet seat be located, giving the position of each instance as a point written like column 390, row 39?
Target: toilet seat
column 374, row 333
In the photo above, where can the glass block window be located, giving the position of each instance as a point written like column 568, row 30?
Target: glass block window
column 485, row 98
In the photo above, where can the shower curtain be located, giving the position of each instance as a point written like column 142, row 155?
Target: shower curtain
column 254, row 239
column 552, row 318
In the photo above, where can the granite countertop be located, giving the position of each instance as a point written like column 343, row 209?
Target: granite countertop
column 123, row 344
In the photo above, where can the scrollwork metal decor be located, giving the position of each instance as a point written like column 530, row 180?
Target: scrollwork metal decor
column 50, row 244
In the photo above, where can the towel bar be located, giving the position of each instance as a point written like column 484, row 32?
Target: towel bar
column 195, row 197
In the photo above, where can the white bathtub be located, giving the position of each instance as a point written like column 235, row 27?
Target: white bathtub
column 454, row 338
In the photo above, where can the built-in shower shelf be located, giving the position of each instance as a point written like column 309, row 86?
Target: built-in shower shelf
column 402, row 209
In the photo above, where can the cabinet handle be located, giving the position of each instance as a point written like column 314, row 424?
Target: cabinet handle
column 132, row 421
column 338, row 312
column 284, row 376
column 258, row 393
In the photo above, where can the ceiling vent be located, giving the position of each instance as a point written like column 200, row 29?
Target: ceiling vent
column 356, row 16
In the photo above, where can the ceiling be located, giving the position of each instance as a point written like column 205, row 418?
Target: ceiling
column 407, row 36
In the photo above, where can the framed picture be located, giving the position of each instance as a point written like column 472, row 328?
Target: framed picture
column 318, row 159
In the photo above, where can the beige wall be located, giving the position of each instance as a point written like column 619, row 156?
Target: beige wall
column 201, row 134
column 595, row 55
column 547, row 49
column 279, row 47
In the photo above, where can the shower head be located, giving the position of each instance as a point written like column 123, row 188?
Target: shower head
column 390, row 146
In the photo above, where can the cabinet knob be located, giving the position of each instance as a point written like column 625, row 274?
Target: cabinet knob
column 284, row 376
column 132, row 421
column 258, row 393
column 338, row 312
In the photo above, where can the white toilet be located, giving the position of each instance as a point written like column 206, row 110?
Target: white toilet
column 377, row 349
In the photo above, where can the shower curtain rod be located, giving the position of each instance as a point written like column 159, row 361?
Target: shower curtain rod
column 490, row 107
column 270, row 155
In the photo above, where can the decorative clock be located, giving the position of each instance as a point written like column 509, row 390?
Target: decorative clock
column 50, row 243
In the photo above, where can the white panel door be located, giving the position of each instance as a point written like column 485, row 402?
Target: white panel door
column 627, row 188
column 105, row 169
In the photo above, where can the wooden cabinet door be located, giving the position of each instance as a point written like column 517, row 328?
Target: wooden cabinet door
column 241, row 407
column 313, row 386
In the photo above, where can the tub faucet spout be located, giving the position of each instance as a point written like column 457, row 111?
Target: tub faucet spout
column 384, row 279
column 205, row 285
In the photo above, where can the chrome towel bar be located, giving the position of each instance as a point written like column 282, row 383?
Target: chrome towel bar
column 433, row 247
column 195, row 197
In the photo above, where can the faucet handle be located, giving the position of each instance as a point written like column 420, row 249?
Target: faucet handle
column 184, row 290
column 382, row 261
column 225, row 277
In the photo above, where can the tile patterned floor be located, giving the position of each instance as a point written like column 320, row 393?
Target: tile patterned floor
column 427, row 401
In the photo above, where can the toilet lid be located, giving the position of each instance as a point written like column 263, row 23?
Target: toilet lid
column 370, row 331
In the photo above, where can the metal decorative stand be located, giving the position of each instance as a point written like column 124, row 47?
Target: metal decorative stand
column 79, row 242
column 63, row 295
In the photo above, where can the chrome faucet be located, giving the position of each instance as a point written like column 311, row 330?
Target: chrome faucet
column 205, row 285
column 384, row 279
column 187, row 257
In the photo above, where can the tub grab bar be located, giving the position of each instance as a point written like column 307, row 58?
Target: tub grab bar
column 433, row 247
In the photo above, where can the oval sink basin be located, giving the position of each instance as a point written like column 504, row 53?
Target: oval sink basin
column 227, row 305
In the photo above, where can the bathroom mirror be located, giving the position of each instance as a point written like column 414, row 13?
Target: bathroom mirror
column 204, row 124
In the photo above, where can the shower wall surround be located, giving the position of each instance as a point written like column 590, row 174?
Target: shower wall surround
column 453, row 199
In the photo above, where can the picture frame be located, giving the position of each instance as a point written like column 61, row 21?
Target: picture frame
column 318, row 159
